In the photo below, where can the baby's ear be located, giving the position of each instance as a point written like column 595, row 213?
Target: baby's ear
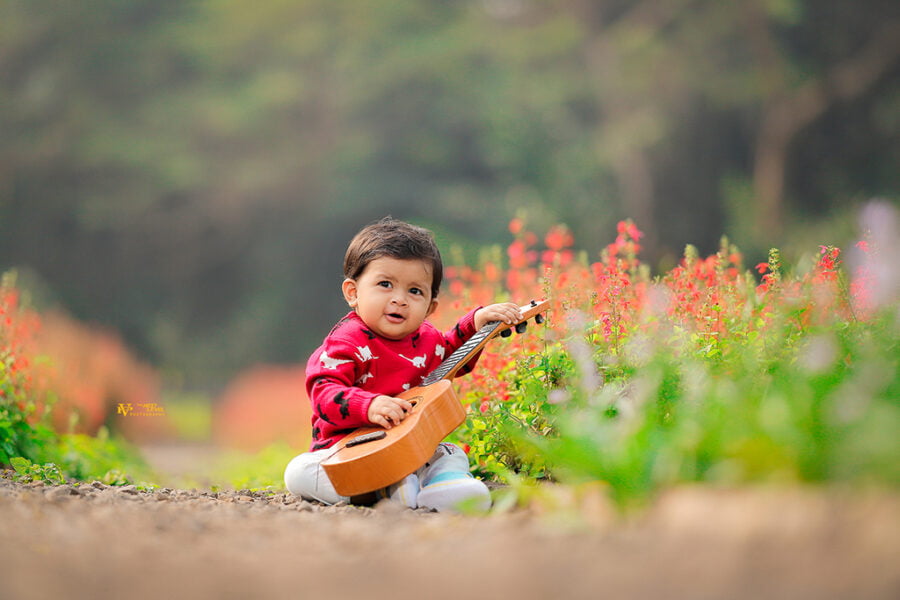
column 432, row 307
column 349, row 290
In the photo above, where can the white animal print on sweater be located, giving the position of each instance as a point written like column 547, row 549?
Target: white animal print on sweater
column 417, row 361
column 332, row 363
column 439, row 351
column 364, row 354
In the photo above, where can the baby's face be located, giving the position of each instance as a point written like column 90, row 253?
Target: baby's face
column 392, row 296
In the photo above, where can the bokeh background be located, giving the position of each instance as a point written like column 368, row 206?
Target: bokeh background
column 184, row 175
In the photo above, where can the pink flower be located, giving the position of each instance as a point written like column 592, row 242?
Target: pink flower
column 559, row 237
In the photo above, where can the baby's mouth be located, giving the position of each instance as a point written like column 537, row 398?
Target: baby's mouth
column 395, row 317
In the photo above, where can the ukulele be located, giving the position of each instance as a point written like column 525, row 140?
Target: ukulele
column 371, row 458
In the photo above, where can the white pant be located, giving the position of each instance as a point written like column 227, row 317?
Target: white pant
column 305, row 477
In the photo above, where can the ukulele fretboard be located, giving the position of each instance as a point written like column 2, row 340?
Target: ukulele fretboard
column 461, row 354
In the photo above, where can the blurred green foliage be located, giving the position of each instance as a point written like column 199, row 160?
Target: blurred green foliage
column 189, row 172
column 106, row 458
column 28, row 442
column 190, row 415
column 753, row 418
column 262, row 470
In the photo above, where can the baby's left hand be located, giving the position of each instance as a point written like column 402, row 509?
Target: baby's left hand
column 506, row 312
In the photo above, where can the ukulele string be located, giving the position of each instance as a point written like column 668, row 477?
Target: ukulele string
column 460, row 353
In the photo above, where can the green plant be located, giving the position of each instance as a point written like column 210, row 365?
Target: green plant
column 699, row 375
column 27, row 442
column 490, row 434
column 22, row 431
column 103, row 457
column 27, row 472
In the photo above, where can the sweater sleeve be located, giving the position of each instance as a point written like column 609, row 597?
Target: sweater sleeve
column 337, row 403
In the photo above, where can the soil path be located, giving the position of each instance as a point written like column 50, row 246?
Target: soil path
column 94, row 541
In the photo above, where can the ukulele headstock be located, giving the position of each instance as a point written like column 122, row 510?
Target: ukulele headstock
column 534, row 309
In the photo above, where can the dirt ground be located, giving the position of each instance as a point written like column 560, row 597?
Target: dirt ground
column 94, row 541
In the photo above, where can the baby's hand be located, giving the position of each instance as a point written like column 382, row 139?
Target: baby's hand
column 388, row 411
column 507, row 312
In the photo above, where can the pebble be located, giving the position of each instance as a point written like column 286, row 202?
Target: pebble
column 60, row 492
column 244, row 499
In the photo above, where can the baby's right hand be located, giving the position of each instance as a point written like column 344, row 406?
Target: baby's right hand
column 388, row 411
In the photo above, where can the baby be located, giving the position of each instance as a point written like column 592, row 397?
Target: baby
column 384, row 346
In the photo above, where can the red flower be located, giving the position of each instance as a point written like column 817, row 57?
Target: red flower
column 550, row 256
column 20, row 364
column 559, row 237
column 10, row 300
column 630, row 229
column 519, row 257
column 491, row 273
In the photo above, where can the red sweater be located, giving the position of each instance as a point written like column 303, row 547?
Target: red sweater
column 354, row 365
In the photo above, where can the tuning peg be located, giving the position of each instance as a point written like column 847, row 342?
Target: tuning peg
column 520, row 327
column 506, row 333
column 538, row 318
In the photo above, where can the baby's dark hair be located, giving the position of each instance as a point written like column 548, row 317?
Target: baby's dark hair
column 396, row 239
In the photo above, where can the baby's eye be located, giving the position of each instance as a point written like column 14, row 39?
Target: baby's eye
column 384, row 284
column 416, row 291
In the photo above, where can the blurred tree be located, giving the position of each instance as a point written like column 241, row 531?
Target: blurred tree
column 760, row 72
column 842, row 53
column 189, row 171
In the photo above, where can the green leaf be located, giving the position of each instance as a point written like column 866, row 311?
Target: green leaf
column 20, row 464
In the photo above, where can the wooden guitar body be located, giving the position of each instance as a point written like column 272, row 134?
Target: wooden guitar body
column 358, row 468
